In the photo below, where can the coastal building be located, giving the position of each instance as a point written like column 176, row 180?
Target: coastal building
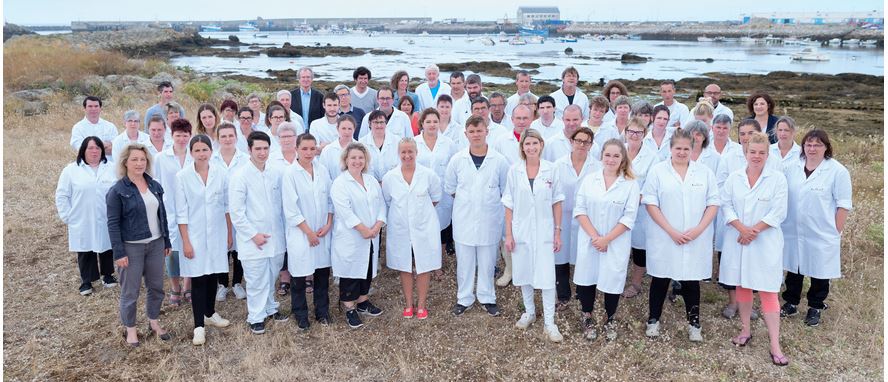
column 536, row 15
column 817, row 18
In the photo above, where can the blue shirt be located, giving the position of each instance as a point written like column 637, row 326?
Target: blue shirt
column 306, row 102
column 434, row 90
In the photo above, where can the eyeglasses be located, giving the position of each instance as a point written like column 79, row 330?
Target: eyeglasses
column 344, row 95
column 277, row 117
column 385, row 98
column 582, row 143
column 634, row 132
column 493, row 105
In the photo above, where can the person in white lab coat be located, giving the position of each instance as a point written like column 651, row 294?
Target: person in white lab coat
column 819, row 203
column 606, row 205
column 448, row 126
column 598, row 107
column 254, row 202
column 244, row 128
column 308, row 213
column 324, row 129
column 157, row 140
column 643, row 156
column 476, row 177
column 681, row 197
column 429, row 91
column 396, row 121
column 754, row 201
column 612, row 90
column 615, row 128
column 93, row 126
column 785, row 149
column 167, row 164
column 205, row 230
column 679, row 114
column 658, row 137
column 382, row 146
column 411, row 192
column 132, row 133
column 569, row 93
column 80, row 201
column 533, row 199
column 358, row 216
column 547, row 124
column 721, row 134
column 560, row 144
column 231, row 159
column 283, row 157
column 702, row 152
column 331, row 154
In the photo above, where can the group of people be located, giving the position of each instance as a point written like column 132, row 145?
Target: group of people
column 301, row 191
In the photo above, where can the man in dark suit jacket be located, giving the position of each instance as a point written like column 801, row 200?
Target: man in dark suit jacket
column 314, row 98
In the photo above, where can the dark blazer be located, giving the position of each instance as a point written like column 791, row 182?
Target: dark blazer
column 770, row 130
column 127, row 218
column 315, row 108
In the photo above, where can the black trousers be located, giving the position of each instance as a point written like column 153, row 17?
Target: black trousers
column 586, row 294
column 562, row 282
column 92, row 264
column 320, row 294
column 817, row 293
column 238, row 275
column 351, row 289
column 203, row 298
column 639, row 257
column 690, row 293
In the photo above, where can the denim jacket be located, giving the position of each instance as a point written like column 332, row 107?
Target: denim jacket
column 127, row 219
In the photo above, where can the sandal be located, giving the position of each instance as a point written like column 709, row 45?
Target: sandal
column 780, row 360
column 632, row 290
column 309, row 286
column 166, row 336
column 741, row 341
column 130, row 344
column 175, row 298
column 187, row 296
column 283, row 289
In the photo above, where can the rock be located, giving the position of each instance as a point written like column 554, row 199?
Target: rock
column 30, row 108
column 568, row 51
column 12, row 30
column 629, row 58
column 164, row 76
column 384, row 52
column 32, row 95
column 709, row 60
column 288, row 50
column 233, row 38
column 528, row 65
column 494, row 68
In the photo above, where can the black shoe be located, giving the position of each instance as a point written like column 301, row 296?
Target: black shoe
column 813, row 317
column 369, row 309
column 323, row 320
column 492, row 309
column 258, row 328
column 353, row 319
column 788, row 310
column 109, row 281
column 86, row 289
column 302, row 323
column 279, row 317
column 458, row 309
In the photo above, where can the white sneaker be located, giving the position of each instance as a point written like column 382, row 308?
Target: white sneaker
column 553, row 333
column 221, row 291
column 525, row 320
column 216, row 320
column 239, row 291
column 653, row 330
column 695, row 334
column 200, row 336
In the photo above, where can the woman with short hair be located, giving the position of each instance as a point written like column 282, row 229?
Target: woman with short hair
column 761, row 106
column 785, row 149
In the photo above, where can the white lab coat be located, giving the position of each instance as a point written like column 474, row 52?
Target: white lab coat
column 683, row 204
column 559, row 146
column 202, row 207
column 425, row 94
column 812, row 242
column 514, row 101
column 382, row 159
column 533, row 224
column 580, row 100
column 678, row 112
column 106, row 131
column 306, row 198
column 353, row 205
column 791, row 158
column 570, row 182
column 330, row 158
column 507, row 146
column 495, row 131
column 166, row 166
column 663, row 150
column 410, row 235
column 80, row 201
column 462, row 109
column 398, row 124
column 722, row 109
column 254, row 202
column 457, row 134
column 759, row 265
column 554, row 129
column 477, row 209
column 167, row 144
column 709, row 157
column 641, row 165
column 436, row 159
column 237, row 161
column 122, row 140
column 605, row 208
column 323, row 131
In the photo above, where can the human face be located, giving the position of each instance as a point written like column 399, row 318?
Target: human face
column 474, row 90
column 285, row 100
column 305, row 78
column 430, row 124
column 646, row 118
column 385, row 100
column 530, row 105
column 476, row 135
column 611, row 158
column 355, row 161
column 331, row 108
column 661, row 120
column 156, row 130
column 597, row 114
column 377, row 127
column 521, row 119
column 228, row 114
column 744, row 133
column 259, row 151
column 757, row 155
column 93, row 110
column 407, row 106
column 582, row 143
column 131, row 124
column 93, row 153
column 613, row 94
column 431, row 75
column 666, row 91
column 458, row 85
column 444, row 108
column 277, row 118
column 346, row 130
column 308, row 150
column 532, row 148
column 784, row 132
column 208, row 119
column 136, row 163
column 403, row 82
column 480, row 109
column 634, row 134
column 287, row 139
column 569, row 81
column 172, row 116
column 760, row 106
column 201, row 152
column 572, row 119
column 698, row 139
column 547, row 111
column 814, row 149
column 181, row 138
column 245, row 119
column 713, row 92
column 498, row 107
column 362, row 81
column 622, row 111
column 523, row 84
column 227, row 138
column 721, row 130
column 407, row 153
column 166, row 94
column 254, row 104
column 681, row 151
column 703, row 118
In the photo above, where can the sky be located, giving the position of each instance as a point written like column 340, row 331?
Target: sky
column 62, row 12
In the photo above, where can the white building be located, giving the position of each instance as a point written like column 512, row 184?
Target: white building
column 817, row 18
column 529, row 15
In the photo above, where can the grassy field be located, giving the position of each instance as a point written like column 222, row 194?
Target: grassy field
column 53, row 333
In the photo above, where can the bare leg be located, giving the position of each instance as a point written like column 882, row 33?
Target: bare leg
column 745, row 313
column 407, row 288
column 422, row 288
column 772, row 322
column 132, row 335
column 285, row 277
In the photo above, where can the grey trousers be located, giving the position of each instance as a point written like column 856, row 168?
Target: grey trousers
column 144, row 260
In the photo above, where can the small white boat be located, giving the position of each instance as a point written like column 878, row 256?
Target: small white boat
column 445, row 38
column 536, row 40
column 851, row 42
column 771, row 40
column 487, row 41
column 869, row 43
column 730, row 39
column 262, row 35
column 410, row 42
column 517, row 41
column 792, row 41
column 747, row 40
column 587, row 36
column 809, row 54
column 424, row 34
column 247, row 27
column 705, row 39
column 835, row 42
column 568, row 38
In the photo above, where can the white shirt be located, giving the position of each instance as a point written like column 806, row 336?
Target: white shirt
column 323, row 131
column 570, row 182
column 556, row 127
column 722, row 109
column 437, row 159
column 166, row 166
column 477, row 210
column 507, row 146
column 122, row 140
column 254, row 202
column 106, row 131
column 202, row 207
column 398, row 124
column 580, row 100
column 382, row 159
column 663, row 150
column 330, row 158
column 425, row 94
column 495, row 131
column 513, row 102
column 462, row 109
column 80, row 201
column 410, row 235
column 607, row 132
column 306, row 199
column 559, row 146
column 353, row 205
column 791, row 158
column 678, row 113
column 641, row 165
column 456, row 133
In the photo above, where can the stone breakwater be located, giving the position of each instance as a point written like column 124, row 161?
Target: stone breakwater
column 690, row 31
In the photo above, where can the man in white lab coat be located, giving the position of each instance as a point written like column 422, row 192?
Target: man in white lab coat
column 569, row 94
column 397, row 122
column 429, row 91
column 93, row 125
column 679, row 114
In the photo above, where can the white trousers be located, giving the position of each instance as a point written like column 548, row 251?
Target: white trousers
column 468, row 259
column 260, row 275
column 548, row 303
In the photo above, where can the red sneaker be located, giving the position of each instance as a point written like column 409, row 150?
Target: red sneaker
column 422, row 314
column 408, row 313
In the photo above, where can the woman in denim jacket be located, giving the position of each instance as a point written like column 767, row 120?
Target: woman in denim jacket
column 139, row 238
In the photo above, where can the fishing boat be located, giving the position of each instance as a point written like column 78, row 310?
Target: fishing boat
column 634, row 36
column 835, row 42
column 303, row 29
column 568, row 38
column 247, row 27
column 771, row 40
column 503, row 37
column 210, row 28
column 533, row 31
column 587, row 36
column 809, row 54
